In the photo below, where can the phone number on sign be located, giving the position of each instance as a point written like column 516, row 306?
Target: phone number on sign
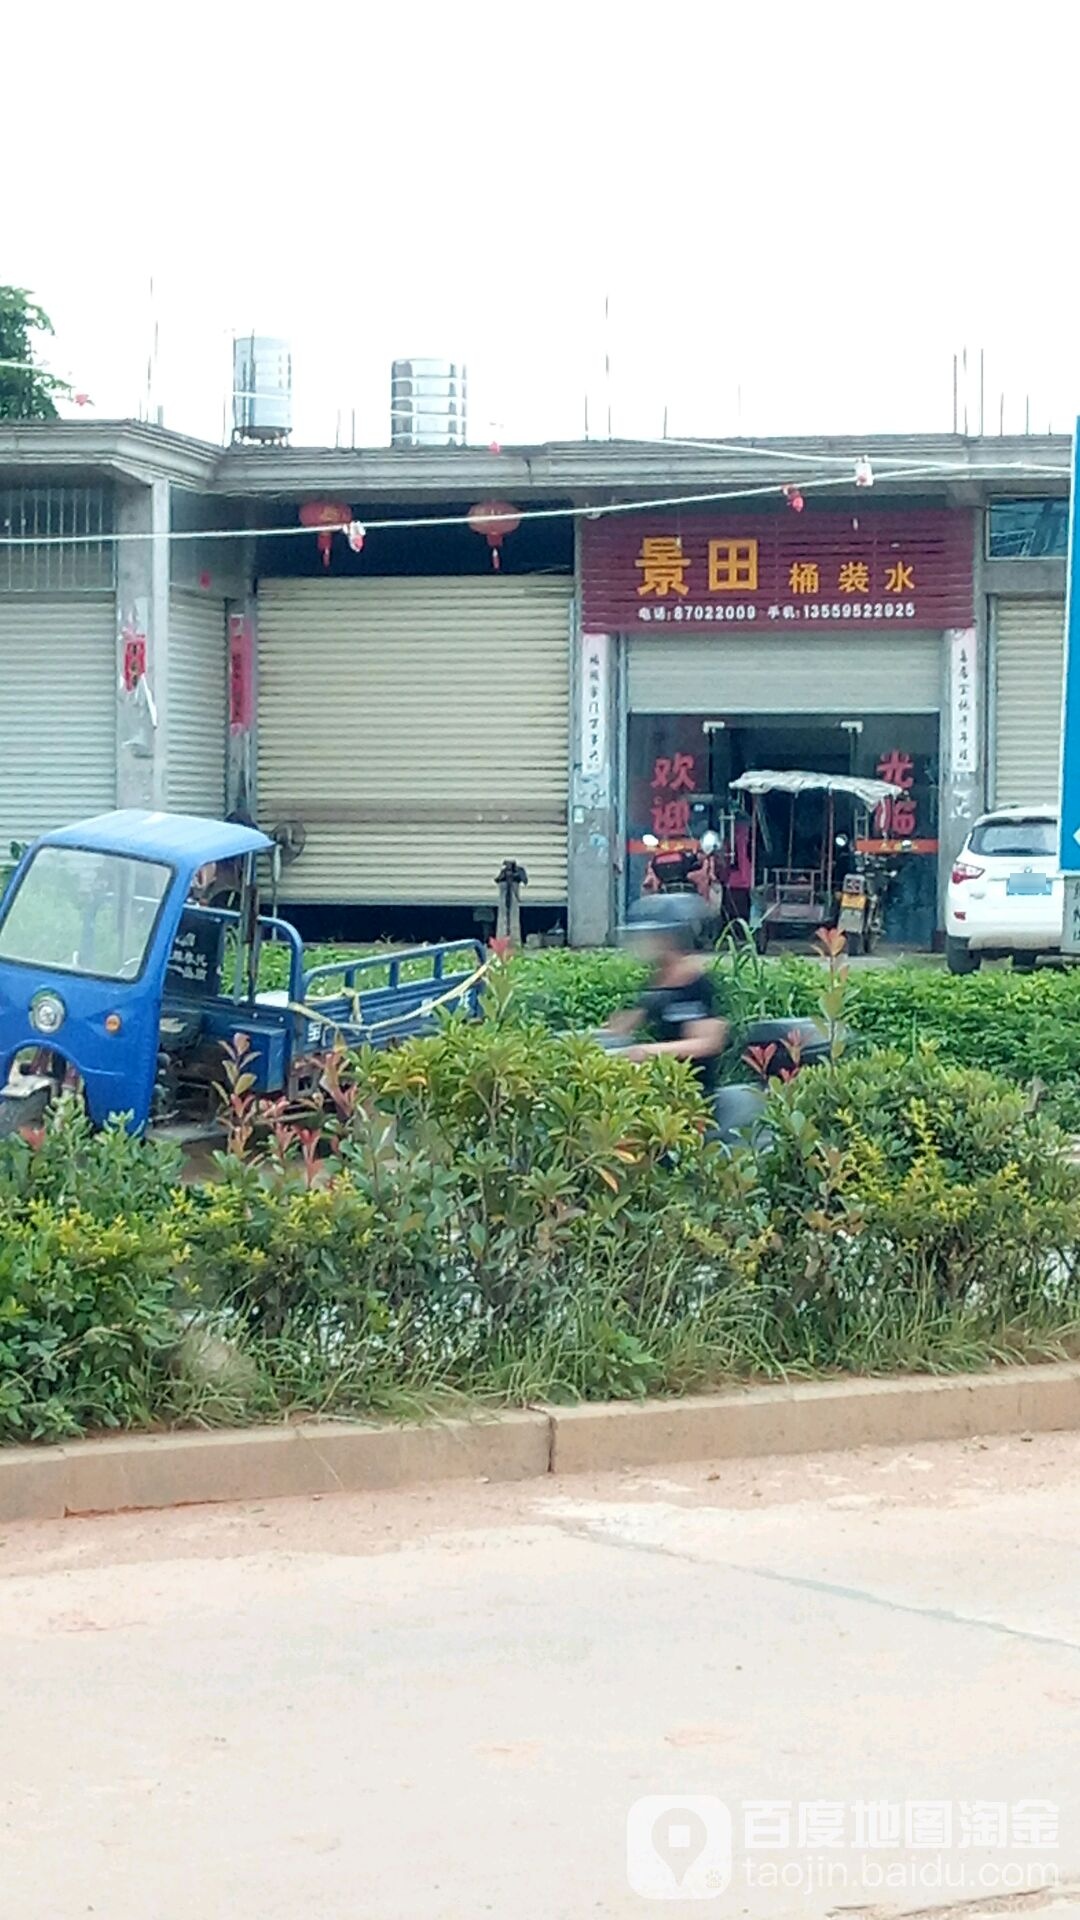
column 735, row 610
column 806, row 610
column 847, row 610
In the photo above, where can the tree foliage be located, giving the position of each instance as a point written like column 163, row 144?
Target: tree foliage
column 27, row 391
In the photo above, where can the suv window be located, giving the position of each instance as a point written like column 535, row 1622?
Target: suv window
column 1023, row 839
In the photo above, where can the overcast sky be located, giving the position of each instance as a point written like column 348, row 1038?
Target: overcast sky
column 797, row 213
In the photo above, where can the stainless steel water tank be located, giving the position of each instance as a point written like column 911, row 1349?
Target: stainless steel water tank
column 427, row 403
column 262, row 388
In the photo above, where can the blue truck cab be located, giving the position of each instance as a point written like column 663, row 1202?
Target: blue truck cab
column 111, row 973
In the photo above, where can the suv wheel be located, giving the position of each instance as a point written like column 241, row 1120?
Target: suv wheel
column 959, row 957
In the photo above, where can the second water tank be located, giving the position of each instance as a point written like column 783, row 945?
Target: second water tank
column 427, row 403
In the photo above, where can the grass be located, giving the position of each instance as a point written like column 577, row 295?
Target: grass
column 595, row 1353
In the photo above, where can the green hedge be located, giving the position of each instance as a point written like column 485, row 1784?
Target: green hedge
column 498, row 1213
column 1025, row 1027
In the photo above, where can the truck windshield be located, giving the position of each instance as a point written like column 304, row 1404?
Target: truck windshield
column 79, row 911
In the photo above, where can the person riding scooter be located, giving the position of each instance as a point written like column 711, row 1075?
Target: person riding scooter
column 677, row 1011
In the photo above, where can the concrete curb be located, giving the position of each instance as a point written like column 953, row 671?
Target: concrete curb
column 816, row 1417
column 178, row 1469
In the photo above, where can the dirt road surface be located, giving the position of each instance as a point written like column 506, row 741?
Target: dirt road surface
column 443, row 1704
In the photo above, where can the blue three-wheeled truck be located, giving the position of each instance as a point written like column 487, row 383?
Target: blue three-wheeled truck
column 112, row 973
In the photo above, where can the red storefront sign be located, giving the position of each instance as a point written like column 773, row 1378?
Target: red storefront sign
column 822, row 568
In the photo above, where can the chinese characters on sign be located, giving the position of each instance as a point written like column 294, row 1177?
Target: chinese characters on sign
column 833, row 566
column 895, row 818
column 733, row 568
column 240, row 674
column 673, row 779
column 195, row 960
column 964, row 750
column 594, row 708
column 663, row 569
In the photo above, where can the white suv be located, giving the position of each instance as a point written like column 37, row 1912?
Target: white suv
column 1006, row 893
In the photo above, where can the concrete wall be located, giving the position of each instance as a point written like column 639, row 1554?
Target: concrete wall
column 208, row 565
column 142, row 615
column 595, row 729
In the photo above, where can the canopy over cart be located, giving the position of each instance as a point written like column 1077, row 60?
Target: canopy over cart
column 786, row 894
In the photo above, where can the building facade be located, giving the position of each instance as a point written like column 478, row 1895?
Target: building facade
column 172, row 633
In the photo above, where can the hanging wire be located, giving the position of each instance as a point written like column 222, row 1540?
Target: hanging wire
column 922, row 470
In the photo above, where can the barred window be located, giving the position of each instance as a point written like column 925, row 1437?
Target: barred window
column 67, row 530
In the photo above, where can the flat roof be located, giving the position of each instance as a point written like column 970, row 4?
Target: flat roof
column 961, row 468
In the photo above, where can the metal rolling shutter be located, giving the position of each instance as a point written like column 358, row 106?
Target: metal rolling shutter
column 57, row 713
column 196, row 713
column 419, row 730
column 1029, row 650
column 772, row 672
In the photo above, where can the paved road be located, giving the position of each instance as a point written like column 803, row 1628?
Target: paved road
column 441, row 1705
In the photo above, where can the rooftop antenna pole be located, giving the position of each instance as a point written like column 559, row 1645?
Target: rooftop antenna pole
column 607, row 360
column 153, row 410
column 144, row 406
column 982, row 391
column 1027, row 413
column 965, row 366
column 956, row 393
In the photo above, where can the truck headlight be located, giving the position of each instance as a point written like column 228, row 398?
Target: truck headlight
column 47, row 1012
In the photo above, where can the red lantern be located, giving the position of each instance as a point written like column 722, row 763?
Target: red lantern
column 494, row 519
column 326, row 516
column 794, row 499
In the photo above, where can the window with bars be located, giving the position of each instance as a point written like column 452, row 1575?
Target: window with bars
column 63, row 535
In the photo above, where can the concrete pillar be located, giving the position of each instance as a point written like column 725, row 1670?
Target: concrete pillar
column 962, row 744
column 593, row 760
column 142, row 643
column 241, row 783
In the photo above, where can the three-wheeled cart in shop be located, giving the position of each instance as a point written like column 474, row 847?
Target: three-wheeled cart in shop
column 840, row 887
column 112, row 974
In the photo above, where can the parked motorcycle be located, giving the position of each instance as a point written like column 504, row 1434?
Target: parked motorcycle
column 686, row 869
column 863, row 892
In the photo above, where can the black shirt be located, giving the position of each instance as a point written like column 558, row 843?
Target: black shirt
column 670, row 1010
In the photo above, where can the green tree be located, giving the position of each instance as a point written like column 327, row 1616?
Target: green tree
column 27, row 392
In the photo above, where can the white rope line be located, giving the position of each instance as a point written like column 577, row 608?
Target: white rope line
column 921, row 471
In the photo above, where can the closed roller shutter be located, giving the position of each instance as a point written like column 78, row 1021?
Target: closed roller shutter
column 1029, row 651
column 418, row 729
column 57, row 713
column 195, row 776
column 772, row 672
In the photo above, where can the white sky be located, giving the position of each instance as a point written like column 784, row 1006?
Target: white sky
column 798, row 211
